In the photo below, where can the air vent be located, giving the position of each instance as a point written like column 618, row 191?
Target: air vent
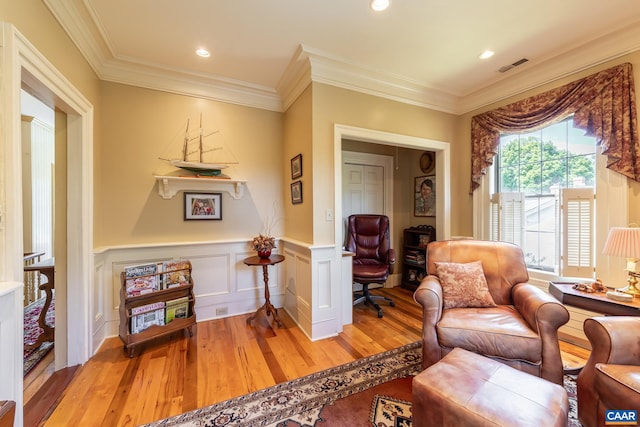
column 515, row 64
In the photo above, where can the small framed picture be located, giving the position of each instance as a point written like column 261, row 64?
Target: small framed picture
column 296, row 192
column 205, row 206
column 296, row 167
column 424, row 191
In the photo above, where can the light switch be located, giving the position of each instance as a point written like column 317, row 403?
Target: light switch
column 329, row 214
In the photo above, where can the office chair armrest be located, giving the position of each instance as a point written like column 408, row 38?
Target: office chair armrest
column 391, row 259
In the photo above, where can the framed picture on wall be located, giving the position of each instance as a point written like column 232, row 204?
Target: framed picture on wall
column 296, row 192
column 202, row 206
column 424, row 196
column 296, row 166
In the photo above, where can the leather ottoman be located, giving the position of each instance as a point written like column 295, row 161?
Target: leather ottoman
column 466, row 389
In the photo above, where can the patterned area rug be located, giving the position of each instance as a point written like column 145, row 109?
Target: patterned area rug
column 390, row 412
column 372, row 391
column 32, row 330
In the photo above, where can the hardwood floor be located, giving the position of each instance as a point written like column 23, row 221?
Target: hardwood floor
column 225, row 358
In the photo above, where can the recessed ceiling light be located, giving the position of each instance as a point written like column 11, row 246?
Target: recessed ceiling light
column 203, row 53
column 487, row 54
column 379, row 5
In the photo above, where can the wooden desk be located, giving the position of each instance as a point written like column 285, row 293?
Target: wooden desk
column 597, row 301
column 265, row 263
column 47, row 268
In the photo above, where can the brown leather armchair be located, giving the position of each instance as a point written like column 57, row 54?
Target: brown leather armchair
column 368, row 239
column 611, row 377
column 520, row 330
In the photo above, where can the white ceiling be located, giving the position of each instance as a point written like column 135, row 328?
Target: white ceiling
column 424, row 52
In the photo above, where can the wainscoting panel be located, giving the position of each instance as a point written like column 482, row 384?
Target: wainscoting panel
column 308, row 284
column 211, row 274
column 324, row 284
column 11, row 331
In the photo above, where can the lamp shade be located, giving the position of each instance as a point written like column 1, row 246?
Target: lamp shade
column 623, row 242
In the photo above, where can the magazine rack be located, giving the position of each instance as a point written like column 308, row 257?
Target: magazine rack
column 163, row 295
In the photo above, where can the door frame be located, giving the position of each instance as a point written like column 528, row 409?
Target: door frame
column 443, row 171
column 22, row 63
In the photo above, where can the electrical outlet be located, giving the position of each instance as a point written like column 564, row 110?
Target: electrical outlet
column 222, row 311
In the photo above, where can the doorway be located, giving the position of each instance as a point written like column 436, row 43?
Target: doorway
column 24, row 66
column 39, row 202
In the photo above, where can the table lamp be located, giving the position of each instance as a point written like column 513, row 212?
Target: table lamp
column 625, row 242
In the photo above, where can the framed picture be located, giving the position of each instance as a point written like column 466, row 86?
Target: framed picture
column 202, row 206
column 296, row 167
column 296, row 192
column 424, row 196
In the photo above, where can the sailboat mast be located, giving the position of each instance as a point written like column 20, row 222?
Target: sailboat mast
column 186, row 142
column 201, row 150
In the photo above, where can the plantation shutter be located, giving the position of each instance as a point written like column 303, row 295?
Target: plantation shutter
column 507, row 218
column 577, row 232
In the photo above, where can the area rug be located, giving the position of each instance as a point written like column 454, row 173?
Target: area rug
column 32, row 330
column 374, row 391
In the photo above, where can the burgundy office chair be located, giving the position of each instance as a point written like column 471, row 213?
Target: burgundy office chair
column 368, row 239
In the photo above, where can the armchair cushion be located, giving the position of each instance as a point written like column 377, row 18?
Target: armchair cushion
column 498, row 331
column 464, row 285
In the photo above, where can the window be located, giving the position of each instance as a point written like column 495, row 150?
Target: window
column 544, row 198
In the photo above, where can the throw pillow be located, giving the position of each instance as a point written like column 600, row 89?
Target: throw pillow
column 464, row 285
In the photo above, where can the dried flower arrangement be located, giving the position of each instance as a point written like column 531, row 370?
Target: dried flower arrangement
column 263, row 243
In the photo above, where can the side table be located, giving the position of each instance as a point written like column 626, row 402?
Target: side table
column 47, row 268
column 597, row 301
column 265, row 263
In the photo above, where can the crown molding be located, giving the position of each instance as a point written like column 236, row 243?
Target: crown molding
column 191, row 84
column 548, row 70
column 80, row 24
column 310, row 65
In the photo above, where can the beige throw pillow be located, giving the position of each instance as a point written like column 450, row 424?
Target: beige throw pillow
column 464, row 285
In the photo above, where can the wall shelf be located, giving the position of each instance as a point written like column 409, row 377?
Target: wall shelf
column 168, row 186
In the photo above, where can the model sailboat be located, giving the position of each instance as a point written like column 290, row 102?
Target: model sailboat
column 203, row 153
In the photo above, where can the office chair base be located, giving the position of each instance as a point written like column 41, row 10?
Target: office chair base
column 367, row 298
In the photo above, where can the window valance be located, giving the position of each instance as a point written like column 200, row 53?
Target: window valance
column 603, row 104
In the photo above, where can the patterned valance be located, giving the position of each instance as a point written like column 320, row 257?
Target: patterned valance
column 603, row 104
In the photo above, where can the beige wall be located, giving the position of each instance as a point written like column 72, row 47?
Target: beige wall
column 132, row 124
column 142, row 125
column 297, row 140
column 465, row 133
column 333, row 105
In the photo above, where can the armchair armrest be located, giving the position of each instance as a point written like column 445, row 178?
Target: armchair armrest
column 614, row 339
column 545, row 315
column 429, row 296
column 542, row 311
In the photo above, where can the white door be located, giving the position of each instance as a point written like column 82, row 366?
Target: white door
column 367, row 184
column 362, row 189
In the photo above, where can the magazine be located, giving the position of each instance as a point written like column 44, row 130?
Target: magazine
column 176, row 273
column 177, row 309
column 141, row 279
column 147, row 307
column 142, row 321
